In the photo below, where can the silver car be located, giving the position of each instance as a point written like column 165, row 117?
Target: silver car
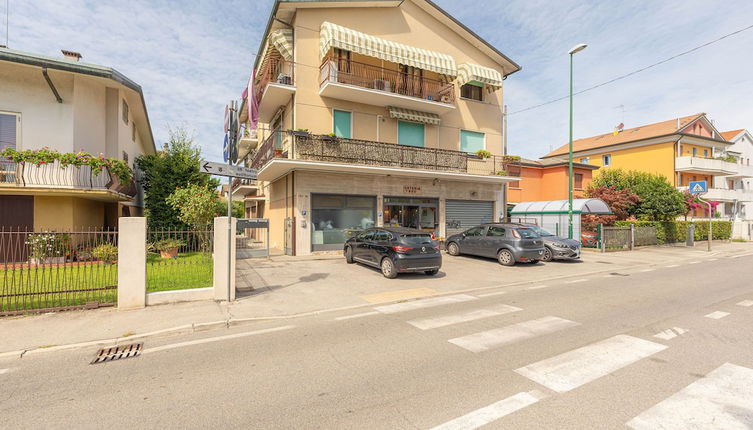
column 555, row 247
column 508, row 243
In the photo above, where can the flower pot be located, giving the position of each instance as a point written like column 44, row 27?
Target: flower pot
column 299, row 133
column 169, row 253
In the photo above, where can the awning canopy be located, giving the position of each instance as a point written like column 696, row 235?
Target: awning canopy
column 337, row 36
column 468, row 72
column 414, row 115
column 283, row 40
column 580, row 206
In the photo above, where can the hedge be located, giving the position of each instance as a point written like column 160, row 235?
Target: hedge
column 677, row 231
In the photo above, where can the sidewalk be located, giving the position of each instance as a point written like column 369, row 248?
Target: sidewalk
column 287, row 287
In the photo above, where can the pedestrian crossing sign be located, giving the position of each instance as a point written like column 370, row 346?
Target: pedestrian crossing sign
column 697, row 187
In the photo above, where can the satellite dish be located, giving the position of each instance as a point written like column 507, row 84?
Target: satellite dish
column 620, row 126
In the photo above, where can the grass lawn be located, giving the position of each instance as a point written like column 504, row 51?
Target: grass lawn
column 75, row 284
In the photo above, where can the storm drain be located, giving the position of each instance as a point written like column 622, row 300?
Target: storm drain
column 118, row 352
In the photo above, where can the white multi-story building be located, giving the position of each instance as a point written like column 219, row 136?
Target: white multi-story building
column 736, row 190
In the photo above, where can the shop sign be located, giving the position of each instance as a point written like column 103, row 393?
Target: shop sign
column 411, row 189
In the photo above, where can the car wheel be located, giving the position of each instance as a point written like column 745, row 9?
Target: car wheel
column 432, row 272
column 547, row 254
column 453, row 249
column 388, row 268
column 505, row 258
column 349, row 255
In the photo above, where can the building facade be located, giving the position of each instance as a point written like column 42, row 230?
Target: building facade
column 370, row 114
column 549, row 180
column 740, row 184
column 67, row 106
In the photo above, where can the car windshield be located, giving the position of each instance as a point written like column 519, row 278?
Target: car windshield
column 527, row 233
column 416, row 239
column 540, row 231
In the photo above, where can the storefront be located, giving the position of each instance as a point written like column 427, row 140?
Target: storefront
column 335, row 218
column 419, row 213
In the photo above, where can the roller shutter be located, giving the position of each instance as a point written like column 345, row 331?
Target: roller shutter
column 461, row 215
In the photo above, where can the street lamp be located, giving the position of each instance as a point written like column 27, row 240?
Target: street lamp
column 573, row 51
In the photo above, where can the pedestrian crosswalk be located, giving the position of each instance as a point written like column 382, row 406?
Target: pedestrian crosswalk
column 445, row 320
column 486, row 340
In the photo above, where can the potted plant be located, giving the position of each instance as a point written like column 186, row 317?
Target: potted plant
column 168, row 248
column 106, row 252
column 330, row 137
column 501, row 173
column 483, row 153
column 48, row 247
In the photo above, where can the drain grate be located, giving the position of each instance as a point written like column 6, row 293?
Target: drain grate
column 118, row 352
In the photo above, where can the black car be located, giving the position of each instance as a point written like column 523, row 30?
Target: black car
column 395, row 250
column 508, row 243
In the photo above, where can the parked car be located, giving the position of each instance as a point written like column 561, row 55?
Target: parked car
column 555, row 247
column 509, row 243
column 395, row 250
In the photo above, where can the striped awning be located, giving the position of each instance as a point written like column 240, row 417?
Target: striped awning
column 283, row 40
column 414, row 115
column 337, row 36
column 468, row 72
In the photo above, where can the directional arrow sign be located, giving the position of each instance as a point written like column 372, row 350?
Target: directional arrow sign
column 697, row 187
column 220, row 169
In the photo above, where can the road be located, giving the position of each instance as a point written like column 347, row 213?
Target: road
column 662, row 347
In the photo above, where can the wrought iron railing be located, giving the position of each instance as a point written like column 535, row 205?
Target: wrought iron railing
column 276, row 70
column 269, row 149
column 53, row 175
column 383, row 79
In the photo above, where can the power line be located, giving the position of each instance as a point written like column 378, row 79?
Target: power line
column 635, row 71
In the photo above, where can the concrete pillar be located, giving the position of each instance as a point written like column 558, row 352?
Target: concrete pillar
column 131, row 262
column 221, row 256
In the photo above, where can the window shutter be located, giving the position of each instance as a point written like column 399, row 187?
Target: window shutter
column 8, row 131
column 471, row 141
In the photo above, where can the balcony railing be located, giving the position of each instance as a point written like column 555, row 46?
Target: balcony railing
column 378, row 78
column 55, row 176
column 276, row 71
column 370, row 153
column 704, row 165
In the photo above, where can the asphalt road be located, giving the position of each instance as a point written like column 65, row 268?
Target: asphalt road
column 654, row 348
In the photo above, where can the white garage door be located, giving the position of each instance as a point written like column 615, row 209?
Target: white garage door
column 460, row 215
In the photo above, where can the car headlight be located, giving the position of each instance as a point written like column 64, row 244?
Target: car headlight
column 560, row 245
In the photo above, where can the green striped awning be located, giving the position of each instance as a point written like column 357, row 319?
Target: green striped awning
column 468, row 72
column 336, row 36
column 413, row 115
column 283, row 40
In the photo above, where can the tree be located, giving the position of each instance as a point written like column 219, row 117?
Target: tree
column 196, row 205
column 176, row 166
column 619, row 201
column 659, row 200
column 238, row 210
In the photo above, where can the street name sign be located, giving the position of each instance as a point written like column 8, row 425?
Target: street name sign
column 697, row 187
column 221, row 169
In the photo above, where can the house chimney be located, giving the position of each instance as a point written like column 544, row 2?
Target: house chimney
column 71, row 55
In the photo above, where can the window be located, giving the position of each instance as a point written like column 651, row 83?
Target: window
column 584, row 160
column 125, row 112
column 496, row 231
column 336, row 218
column 475, row 231
column 514, row 171
column 410, row 133
column 705, row 153
column 133, row 131
column 8, row 130
column 606, row 160
column 471, row 141
column 578, row 180
column 383, row 236
column 471, row 91
column 125, row 157
column 695, row 152
column 342, row 123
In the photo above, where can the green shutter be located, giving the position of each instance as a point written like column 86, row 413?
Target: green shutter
column 342, row 124
column 410, row 133
column 471, row 141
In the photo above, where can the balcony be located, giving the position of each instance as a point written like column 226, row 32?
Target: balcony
column 705, row 166
column 725, row 195
column 348, row 153
column 379, row 86
column 243, row 188
column 742, row 171
column 275, row 86
column 32, row 178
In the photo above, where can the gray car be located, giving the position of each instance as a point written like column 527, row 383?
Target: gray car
column 508, row 243
column 555, row 247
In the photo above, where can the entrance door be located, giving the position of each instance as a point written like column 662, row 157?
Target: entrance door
column 410, row 212
column 461, row 215
column 16, row 218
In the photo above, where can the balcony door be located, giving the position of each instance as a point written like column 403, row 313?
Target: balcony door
column 410, row 133
column 411, row 81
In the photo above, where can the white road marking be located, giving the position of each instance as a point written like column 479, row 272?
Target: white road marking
column 720, row 400
column 576, row 280
column 746, row 303
column 648, row 270
column 445, row 320
column 364, row 314
column 537, row 287
column 215, row 339
column 673, row 265
column 693, row 262
column 670, row 333
column 713, row 259
column 425, row 303
column 717, row 315
column 485, row 340
column 574, row 368
column 493, row 412
column 4, row 371
column 496, row 293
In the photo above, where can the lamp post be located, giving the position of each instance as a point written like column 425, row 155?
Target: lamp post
column 573, row 51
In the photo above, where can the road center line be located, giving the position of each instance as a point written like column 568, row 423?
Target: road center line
column 348, row 317
column 493, row 412
column 485, row 340
column 445, row 320
column 576, row 281
column 716, row 315
column 424, row 303
column 215, row 339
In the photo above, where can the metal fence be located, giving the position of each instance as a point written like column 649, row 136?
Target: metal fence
column 179, row 259
column 42, row 271
column 615, row 238
column 645, row 236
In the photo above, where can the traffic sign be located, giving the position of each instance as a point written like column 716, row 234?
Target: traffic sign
column 225, row 149
column 221, row 169
column 697, row 187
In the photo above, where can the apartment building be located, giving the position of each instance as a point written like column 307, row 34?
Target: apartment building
column 548, row 180
column 739, row 185
column 67, row 106
column 373, row 113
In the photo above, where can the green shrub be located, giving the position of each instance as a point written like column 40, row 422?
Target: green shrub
column 106, row 252
column 677, row 231
column 483, row 153
column 166, row 244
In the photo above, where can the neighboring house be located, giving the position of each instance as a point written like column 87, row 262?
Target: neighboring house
column 68, row 106
column 740, row 184
column 408, row 93
column 682, row 150
column 548, row 180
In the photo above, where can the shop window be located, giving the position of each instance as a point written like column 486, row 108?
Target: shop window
column 472, row 92
column 578, row 180
column 342, row 123
column 336, row 218
column 8, row 130
column 410, row 133
column 416, row 213
column 471, row 141
column 606, row 160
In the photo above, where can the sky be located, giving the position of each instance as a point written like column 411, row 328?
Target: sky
column 192, row 57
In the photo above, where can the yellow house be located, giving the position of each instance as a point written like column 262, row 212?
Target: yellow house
column 68, row 106
column 681, row 149
column 370, row 113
